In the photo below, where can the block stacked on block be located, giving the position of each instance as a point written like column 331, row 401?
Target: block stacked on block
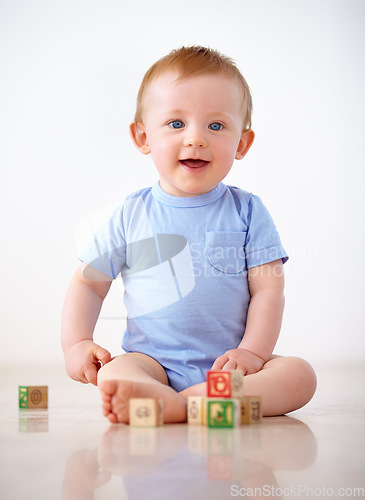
column 33, row 396
column 224, row 390
column 225, row 405
column 225, row 384
column 145, row 412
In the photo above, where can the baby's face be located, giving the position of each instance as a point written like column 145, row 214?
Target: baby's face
column 193, row 129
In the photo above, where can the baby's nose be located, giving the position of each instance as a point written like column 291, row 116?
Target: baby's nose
column 195, row 138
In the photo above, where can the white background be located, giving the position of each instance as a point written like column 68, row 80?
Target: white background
column 69, row 75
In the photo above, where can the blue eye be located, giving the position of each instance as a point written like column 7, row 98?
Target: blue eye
column 215, row 126
column 176, row 124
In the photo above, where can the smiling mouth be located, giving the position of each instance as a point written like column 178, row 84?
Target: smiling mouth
column 191, row 163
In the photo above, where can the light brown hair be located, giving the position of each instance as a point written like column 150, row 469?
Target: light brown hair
column 191, row 61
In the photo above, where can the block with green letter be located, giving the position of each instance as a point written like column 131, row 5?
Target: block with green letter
column 223, row 412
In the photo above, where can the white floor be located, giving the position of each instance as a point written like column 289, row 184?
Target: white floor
column 71, row 452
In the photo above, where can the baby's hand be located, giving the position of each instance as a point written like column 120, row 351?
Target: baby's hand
column 84, row 359
column 239, row 359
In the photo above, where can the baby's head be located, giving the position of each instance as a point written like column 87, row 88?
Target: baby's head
column 187, row 62
column 194, row 117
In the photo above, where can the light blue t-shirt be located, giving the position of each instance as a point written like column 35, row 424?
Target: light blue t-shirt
column 184, row 265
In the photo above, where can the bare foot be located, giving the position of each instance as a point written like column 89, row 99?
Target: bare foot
column 115, row 395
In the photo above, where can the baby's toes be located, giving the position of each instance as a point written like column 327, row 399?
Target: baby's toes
column 112, row 418
column 106, row 408
column 120, row 409
column 107, row 389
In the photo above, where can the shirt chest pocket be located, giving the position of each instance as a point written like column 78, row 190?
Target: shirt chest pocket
column 225, row 251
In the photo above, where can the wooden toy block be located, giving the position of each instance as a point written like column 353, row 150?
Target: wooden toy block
column 33, row 396
column 226, row 384
column 145, row 412
column 223, row 412
column 197, row 410
column 251, row 410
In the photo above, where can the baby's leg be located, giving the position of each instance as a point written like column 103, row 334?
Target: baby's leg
column 285, row 384
column 136, row 375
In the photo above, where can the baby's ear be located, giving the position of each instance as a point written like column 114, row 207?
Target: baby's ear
column 139, row 137
column 245, row 143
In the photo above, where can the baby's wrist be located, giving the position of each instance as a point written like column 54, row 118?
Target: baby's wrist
column 76, row 344
column 251, row 352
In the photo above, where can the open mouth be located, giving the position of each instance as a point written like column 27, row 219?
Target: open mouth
column 194, row 163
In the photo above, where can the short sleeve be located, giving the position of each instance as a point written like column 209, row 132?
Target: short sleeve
column 106, row 251
column 263, row 243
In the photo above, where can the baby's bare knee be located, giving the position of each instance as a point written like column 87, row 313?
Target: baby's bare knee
column 305, row 377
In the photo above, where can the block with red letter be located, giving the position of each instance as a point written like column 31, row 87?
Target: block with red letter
column 225, row 384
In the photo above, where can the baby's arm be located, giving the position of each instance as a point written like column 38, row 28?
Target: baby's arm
column 81, row 309
column 264, row 318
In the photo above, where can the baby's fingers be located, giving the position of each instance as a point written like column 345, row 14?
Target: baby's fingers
column 102, row 355
column 230, row 365
column 220, row 362
column 91, row 374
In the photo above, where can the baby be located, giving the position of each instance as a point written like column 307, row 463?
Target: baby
column 201, row 262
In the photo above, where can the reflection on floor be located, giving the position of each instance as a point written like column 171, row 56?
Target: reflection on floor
column 70, row 452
